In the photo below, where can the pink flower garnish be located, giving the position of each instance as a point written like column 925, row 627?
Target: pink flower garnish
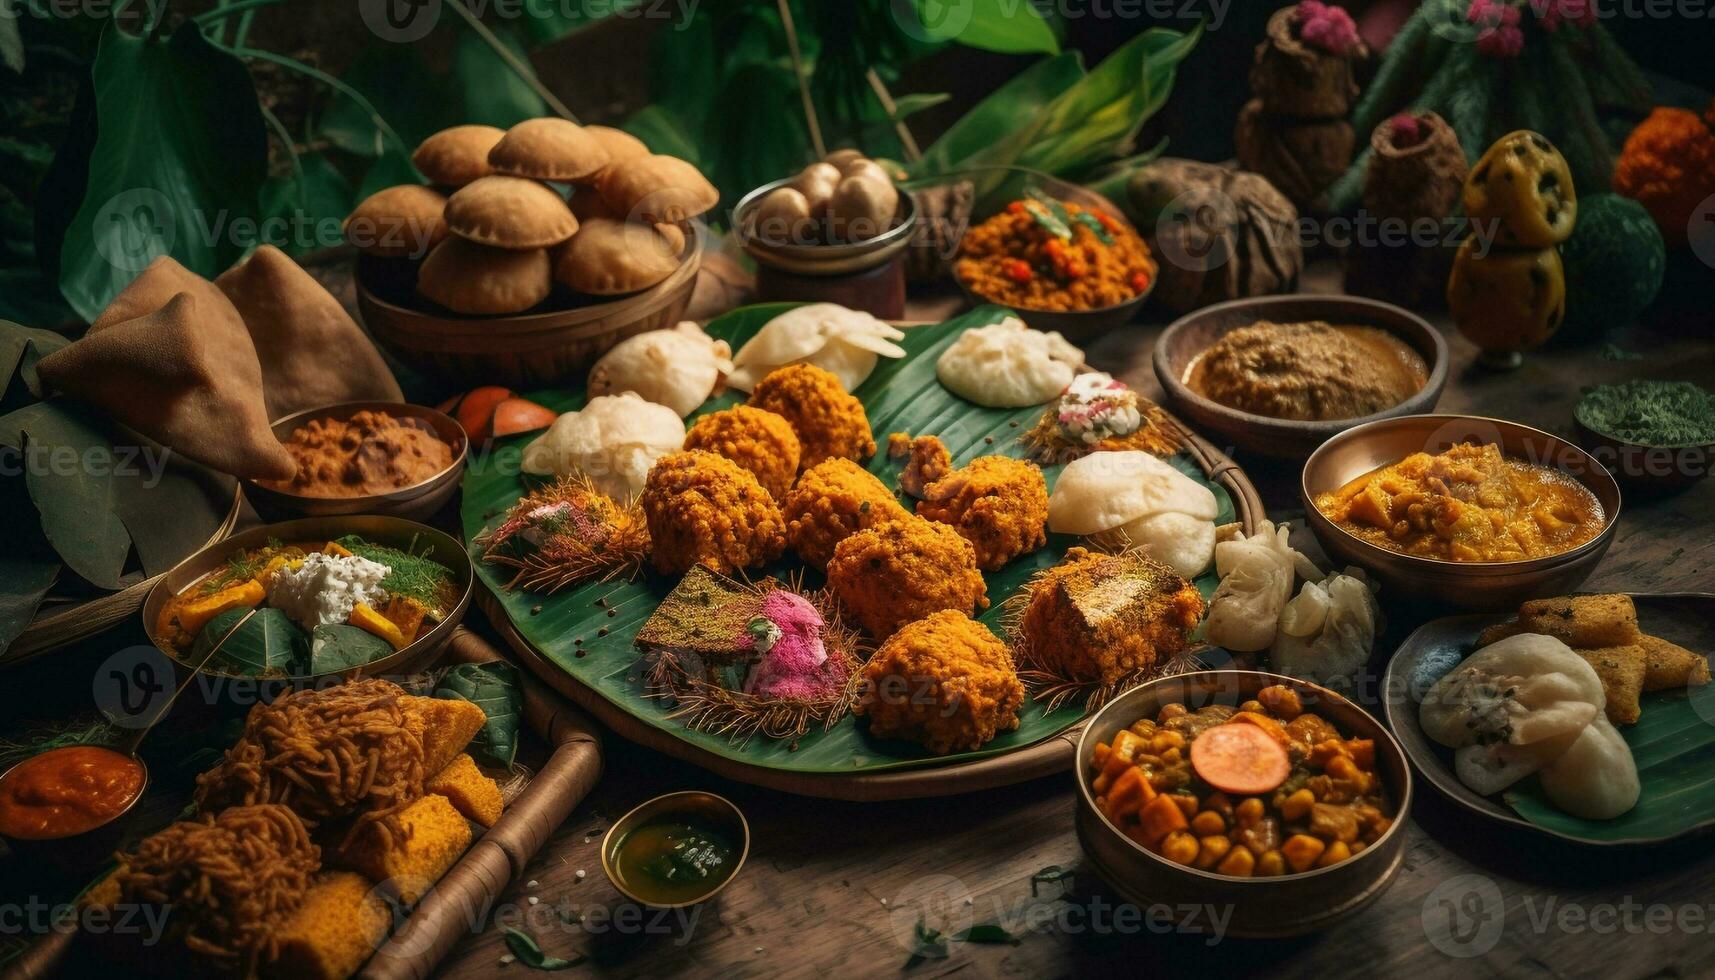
column 1553, row 13
column 1501, row 36
column 1407, row 130
column 1327, row 27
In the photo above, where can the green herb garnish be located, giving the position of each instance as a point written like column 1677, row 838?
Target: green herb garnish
column 1095, row 225
column 1651, row 413
column 411, row 575
column 1049, row 213
column 529, row 952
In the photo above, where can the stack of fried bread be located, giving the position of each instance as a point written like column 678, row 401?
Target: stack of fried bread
column 1603, row 629
column 333, row 804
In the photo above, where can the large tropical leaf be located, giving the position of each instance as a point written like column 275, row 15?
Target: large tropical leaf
column 268, row 643
column 493, row 687
column 74, row 496
column 303, row 200
column 493, row 92
column 178, row 154
column 588, row 631
column 1007, row 26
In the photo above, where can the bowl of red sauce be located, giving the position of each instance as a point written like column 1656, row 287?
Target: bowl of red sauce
column 67, row 806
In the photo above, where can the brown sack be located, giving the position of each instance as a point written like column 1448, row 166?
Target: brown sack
column 312, row 352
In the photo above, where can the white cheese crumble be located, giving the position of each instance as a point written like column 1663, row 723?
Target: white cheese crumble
column 325, row 588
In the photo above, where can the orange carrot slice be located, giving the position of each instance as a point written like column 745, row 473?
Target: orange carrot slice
column 475, row 411
column 515, row 415
column 1239, row 759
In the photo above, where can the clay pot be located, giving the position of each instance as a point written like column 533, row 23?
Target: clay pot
column 1294, row 79
column 1299, row 157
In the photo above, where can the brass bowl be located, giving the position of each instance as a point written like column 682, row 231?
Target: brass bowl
column 811, row 259
column 1479, row 586
column 1192, row 334
column 1289, row 905
column 553, row 343
column 1648, row 469
column 391, row 531
column 718, row 810
column 416, row 502
column 84, row 852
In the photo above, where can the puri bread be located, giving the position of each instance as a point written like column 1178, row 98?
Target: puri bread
column 620, row 145
column 312, row 352
column 657, row 188
column 185, row 375
column 399, row 222
column 458, row 155
column 549, row 149
column 480, row 280
column 607, row 257
column 510, row 212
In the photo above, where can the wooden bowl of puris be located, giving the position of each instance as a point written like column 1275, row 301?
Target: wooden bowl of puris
column 536, row 250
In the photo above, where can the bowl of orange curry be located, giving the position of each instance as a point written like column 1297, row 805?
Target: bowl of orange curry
column 69, row 807
column 388, row 458
column 1459, row 510
column 1270, row 799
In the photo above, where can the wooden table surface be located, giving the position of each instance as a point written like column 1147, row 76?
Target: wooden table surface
column 836, row 888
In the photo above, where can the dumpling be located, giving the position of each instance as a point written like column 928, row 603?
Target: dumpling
column 1325, row 634
column 612, row 442
column 679, row 368
column 846, row 343
column 1596, row 778
column 1256, row 573
column 1008, row 365
column 1523, row 689
column 1180, row 541
column 1103, row 491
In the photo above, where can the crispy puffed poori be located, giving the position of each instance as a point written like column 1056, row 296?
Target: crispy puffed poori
column 608, row 257
column 1669, row 665
column 549, row 149
column 828, row 419
column 475, row 279
column 510, row 212
column 402, row 222
column 620, row 145
column 1588, row 621
column 457, row 155
column 1621, row 670
column 312, row 352
column 185, row 375
column 657, row 188
column 761, row 442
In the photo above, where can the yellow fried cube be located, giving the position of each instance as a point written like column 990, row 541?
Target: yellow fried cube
column 444, row 725
column 472, row 793
column 409, row 863
column 330, row 936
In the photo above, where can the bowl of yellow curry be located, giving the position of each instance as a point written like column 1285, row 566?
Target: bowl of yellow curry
column 1471, row 512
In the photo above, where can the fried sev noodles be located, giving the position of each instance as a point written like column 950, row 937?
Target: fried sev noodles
column 326, row 754
column 228, row 880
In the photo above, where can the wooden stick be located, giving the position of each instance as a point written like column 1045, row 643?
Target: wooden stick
column 803, row 80
column 912, row 153
column 524, row 72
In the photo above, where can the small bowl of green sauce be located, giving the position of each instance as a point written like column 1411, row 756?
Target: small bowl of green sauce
column 1650, row 434
column 676, row 850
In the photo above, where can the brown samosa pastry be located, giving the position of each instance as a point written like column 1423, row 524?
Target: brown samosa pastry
column 184, row 374
column 312, row 352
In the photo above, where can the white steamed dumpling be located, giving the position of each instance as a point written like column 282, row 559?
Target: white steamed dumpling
column 1257, row 572
column 1596, row 778
column 679, row 368
column 1008, row 365
column 1325, row 634
column 845, row 342
column 613, row 441
column 1179, row 541
column 1102, row 491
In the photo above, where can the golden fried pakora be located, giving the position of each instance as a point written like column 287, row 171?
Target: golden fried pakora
column 926, row 460
column 833, row 500
column 704, row 509
column 944, row 681
column 999, row 505
column 902, row 570
column 758, row 440
column 828, row 420
column 1099, row 617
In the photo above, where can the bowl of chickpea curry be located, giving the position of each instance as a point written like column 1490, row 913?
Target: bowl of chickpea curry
column 1271, row 796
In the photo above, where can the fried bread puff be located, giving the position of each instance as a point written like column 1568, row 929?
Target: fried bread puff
column 828, row 420
column 833, row 500
column 760, row 441
column 902, row 570
column 704, row 509
column 944, row 681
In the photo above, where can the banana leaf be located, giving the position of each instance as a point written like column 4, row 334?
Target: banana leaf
column 587, row 632
column 494, row 688
column 268, row 644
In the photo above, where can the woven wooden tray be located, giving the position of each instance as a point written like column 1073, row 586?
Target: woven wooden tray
column 446, row 913
column 1052, row 755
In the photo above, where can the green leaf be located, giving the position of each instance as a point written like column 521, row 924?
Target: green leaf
column 76, row 500
column 494, row 688
column 529, row 952
column 178, row 154
column 910, row 105
column 493, row 94
column 544, row 22
column 20, row 346
column 11, row 41
column 926, row 944
column 1004, row 110
column 1006, row 26
column 397, row 83
column 308, row 203
column 341, row 646
column 986, row 933
column 658, row 128
column 28, row 565
column 269, row 644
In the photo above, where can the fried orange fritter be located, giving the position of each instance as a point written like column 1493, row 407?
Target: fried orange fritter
column 999, row 504
column 927, row 460
column 760, row 441
column 833, row 500
column 1098, row 617
column 902, row 570
column 828, row 420
column 704, row 509
column 944, row 681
